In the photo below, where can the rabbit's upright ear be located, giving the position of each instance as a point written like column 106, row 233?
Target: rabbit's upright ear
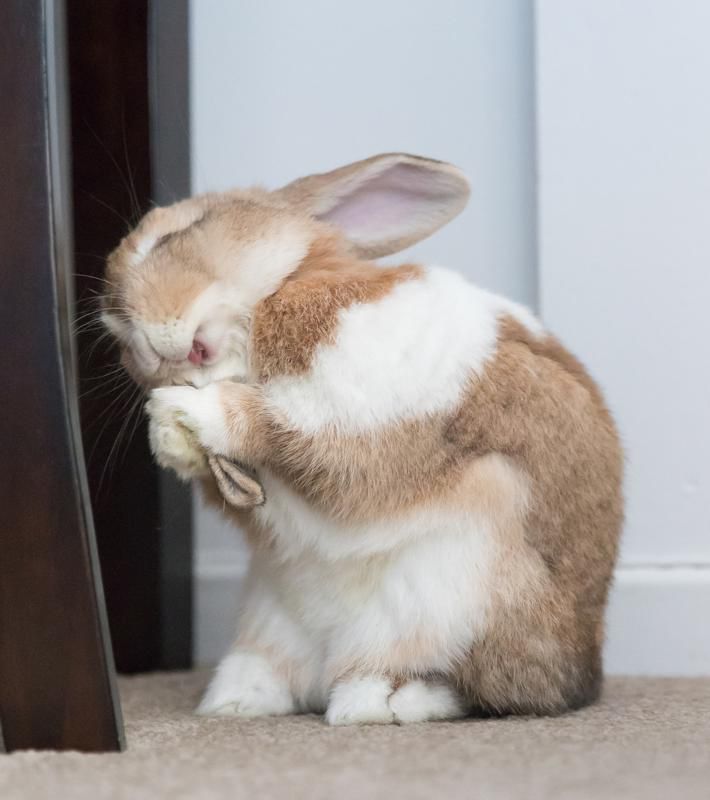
column 385, row 203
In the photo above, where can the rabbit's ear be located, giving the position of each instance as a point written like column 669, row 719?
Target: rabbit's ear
column 385, row 203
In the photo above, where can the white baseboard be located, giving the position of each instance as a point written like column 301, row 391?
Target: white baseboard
column 658, row 620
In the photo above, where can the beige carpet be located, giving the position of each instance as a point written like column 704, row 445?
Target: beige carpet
column 647, row 739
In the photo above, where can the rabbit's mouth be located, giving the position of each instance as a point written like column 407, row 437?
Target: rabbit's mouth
column 199, row 369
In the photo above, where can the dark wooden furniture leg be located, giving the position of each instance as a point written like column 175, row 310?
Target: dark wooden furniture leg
column 57, row 686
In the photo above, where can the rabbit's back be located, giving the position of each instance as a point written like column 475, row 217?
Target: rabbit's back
column 537, row 404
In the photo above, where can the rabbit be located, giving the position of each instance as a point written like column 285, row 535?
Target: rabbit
column 442, row 481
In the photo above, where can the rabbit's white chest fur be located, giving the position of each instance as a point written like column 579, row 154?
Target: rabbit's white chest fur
column 416, row 586
column 407, row 355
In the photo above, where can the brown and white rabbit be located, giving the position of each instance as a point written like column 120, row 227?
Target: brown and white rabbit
column 442, row 479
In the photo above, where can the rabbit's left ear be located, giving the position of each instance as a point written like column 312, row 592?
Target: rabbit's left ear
column 384, row 203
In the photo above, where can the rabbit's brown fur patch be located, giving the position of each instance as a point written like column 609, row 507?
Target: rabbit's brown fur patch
column 546, row 656
column 289, row 325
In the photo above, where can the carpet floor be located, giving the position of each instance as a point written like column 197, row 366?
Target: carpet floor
column 646, row 739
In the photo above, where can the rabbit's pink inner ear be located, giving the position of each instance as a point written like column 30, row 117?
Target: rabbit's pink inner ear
column 374, row 209
column 397, row 206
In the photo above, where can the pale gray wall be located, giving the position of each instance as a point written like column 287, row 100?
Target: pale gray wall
column 281, row 88
column 624, row 112
column 624, row 198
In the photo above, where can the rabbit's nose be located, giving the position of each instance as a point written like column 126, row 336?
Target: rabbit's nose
column 199, row 352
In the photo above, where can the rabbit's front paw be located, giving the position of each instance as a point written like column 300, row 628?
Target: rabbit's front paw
column 246, row 685
column 180, row 416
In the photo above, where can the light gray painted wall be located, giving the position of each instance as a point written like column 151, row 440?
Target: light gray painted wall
column 624, row 116
column 624, row 200
column 282, row 88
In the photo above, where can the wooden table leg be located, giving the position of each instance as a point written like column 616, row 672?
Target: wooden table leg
column 57, row 685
